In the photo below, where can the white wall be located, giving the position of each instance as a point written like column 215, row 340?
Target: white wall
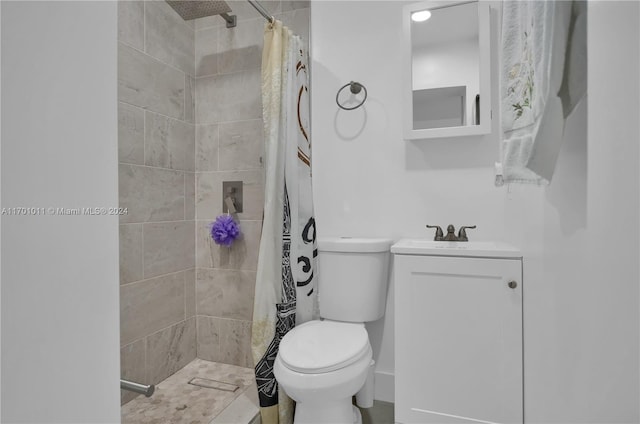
column 579, row 236
column 0, row 221
column 60, row 332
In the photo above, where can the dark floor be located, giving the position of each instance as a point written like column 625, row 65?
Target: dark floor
column 381, row 413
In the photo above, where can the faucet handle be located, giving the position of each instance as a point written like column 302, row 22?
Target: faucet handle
column 462, row 234
column 439, row 234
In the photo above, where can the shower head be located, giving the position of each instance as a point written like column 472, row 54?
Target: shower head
column 189, row 9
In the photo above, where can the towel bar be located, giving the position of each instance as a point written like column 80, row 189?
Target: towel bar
column 137, row 387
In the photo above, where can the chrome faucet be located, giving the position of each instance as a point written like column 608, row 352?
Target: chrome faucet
column 451, row 233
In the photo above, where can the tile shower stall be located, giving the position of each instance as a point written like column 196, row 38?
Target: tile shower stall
column 189, row 118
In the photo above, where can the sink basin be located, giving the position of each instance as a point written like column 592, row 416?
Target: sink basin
column 482, row 249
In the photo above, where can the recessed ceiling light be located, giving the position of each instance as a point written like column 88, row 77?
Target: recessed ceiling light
column 420, row 16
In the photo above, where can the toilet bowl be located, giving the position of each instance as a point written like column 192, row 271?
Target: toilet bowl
column 322, row 364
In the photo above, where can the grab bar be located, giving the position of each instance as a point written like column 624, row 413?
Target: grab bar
column 137, row 387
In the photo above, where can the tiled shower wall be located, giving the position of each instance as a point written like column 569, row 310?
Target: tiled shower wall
column 229, row 147
column 190, row 117
column 156, row 184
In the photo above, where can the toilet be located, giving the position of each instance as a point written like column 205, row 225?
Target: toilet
column 321, row 364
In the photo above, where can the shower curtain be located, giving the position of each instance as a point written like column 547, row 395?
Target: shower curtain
column 285, row 283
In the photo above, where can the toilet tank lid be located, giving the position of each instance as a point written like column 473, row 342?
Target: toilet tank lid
column 353, row 244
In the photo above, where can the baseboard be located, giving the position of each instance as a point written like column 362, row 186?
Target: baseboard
column 384, row 386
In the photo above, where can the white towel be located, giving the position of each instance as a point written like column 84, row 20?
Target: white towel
column 574, row 83
column 535, row 35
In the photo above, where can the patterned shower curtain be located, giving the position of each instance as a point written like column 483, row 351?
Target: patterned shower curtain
column 285, row 282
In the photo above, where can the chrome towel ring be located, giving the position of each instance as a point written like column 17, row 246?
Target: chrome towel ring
column 355, row 88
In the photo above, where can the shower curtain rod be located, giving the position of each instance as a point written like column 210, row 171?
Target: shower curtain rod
column 256, row 5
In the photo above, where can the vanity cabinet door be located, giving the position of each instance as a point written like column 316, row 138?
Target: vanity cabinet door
column 458, row 346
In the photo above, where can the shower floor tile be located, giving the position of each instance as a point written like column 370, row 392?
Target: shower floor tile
column 178, row 402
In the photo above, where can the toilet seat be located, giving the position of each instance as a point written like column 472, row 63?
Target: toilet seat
column 317, row 347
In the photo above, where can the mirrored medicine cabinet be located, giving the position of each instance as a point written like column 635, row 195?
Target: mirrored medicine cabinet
column 447, row 81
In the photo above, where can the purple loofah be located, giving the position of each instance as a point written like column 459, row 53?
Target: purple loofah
column 225, row 230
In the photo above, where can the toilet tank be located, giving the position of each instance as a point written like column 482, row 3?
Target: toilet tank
column 352, row 278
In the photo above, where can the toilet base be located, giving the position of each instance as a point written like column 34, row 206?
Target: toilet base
column 340, row 412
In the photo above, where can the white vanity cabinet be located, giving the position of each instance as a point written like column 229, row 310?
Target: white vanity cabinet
column 458, row 333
